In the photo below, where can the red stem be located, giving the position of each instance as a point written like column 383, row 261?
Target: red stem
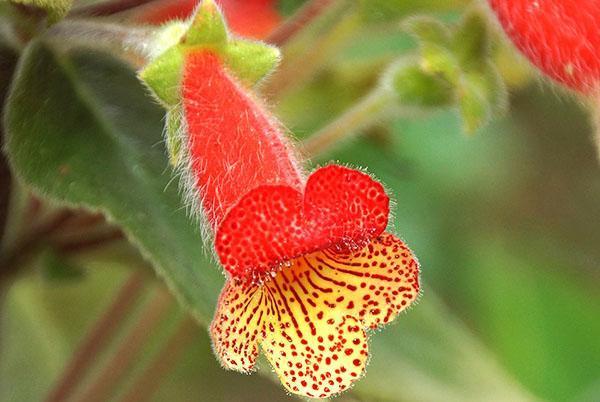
column 309, row 11
column 97, row 338
column 122, row 359
column 149, row 381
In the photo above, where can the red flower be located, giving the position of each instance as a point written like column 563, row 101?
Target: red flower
column 560, row 37
column 310, row 268
column 251, row 18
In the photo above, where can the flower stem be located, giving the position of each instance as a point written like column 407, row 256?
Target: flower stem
column 149, row 381
column 97, row 338
column 370, row 109
column 301, row 63
column 103, row 386
column 131, row 43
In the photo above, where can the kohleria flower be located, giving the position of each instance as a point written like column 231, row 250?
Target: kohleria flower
column 310, row 268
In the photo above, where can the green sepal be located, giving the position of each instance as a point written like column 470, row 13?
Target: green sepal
column 471, row 41
column 173, row 135
column 435, row 41
column 481, row 95
column 414, row 86
column 459, row 55
column 207, row 27
column 163, row 76
column 249, row 61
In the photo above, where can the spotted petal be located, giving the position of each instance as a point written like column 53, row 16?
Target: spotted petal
column 311, row 317
column 340, row 207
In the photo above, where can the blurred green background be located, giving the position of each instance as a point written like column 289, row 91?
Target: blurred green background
column 506, row 224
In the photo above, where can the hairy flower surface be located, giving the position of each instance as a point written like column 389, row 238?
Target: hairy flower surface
column 560, row 37
column 310, row 268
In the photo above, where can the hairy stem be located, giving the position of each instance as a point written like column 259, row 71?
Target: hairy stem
column 300, row 64
column 98, row 337
column 370, row 109
column 302, row 18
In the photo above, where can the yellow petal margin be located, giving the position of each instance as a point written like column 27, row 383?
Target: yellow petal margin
column 310, row 319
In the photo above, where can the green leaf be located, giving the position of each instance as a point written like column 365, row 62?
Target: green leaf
column 42, row 323
column 56, row 268
column 81, row 130
column 56, row 9
column 251, row 61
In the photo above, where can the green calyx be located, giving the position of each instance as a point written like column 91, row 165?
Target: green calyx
column 454, row 65
column 249, row 61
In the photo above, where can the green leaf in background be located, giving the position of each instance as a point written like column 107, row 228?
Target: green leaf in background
column 56, row 9
column 8, row 61
column 82, row 130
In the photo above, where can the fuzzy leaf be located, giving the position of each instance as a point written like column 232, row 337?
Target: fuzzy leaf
column 81, row 130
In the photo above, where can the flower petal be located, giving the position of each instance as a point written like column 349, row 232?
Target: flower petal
column 272, row 224
column 373, row 284
column 311, row 316
column 239, row 325
column 345, row 205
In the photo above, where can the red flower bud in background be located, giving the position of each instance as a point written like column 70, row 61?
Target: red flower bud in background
column 251, row 18
column 560, row 37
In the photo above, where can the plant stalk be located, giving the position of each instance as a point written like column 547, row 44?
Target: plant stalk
column 98, row 337
column 369, row 110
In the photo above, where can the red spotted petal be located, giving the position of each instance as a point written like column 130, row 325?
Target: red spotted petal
column 310, row 318
column 270, row 225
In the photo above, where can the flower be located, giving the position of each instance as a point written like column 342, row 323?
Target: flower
column 309, row 265
column 560, row 37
